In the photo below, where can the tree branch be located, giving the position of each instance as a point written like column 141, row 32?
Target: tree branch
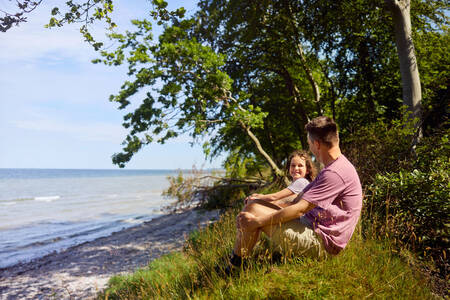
column 11, row 19
column 256, row 141
column 306, row 68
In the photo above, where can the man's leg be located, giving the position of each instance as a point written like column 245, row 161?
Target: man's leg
column 295, row 237
column 246, row 240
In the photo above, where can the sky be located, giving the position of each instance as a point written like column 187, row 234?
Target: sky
column 54, row 108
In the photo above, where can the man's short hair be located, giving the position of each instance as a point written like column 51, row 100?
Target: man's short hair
column 323, row 129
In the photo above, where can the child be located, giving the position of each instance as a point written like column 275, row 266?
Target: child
column 302, row 171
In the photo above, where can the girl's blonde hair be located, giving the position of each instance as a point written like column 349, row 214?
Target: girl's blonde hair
column 311, row 169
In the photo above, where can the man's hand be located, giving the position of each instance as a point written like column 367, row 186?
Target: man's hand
column 252, row 197
column 247, row 221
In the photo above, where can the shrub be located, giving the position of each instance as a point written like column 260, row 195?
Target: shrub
column 406, row 189
column 384, row 146
column 413, row 206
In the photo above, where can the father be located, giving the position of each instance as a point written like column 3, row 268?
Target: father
column 321, row 220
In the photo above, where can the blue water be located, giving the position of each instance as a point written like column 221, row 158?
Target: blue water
column 46, row 210
column 61, row 173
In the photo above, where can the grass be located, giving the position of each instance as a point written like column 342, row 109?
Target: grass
column 366, row 269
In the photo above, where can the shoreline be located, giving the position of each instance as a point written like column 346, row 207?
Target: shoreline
column 81, row 271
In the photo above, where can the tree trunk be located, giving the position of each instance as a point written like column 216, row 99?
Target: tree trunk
column 306, row 68
column 280, row 174
column 412, row 94
column 309, row 75
column 272, row 164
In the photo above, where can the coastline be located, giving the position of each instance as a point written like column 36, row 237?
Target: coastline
column 81, row 271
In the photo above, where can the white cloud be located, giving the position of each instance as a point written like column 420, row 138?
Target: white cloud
column 90, row 132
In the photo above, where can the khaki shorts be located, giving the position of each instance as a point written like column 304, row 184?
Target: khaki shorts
column 296, row 238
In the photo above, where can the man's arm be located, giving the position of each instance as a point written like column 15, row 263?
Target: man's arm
column 249, row 222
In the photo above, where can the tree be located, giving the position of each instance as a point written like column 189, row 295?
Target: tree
column 196, row 95
column 265, row 54
column 358, row 38
column 353, row 41
column 23, row 7
column 235, row 71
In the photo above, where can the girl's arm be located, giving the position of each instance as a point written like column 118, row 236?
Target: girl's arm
column 271, row 197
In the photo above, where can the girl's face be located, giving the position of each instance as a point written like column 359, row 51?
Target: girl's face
column 297, row 168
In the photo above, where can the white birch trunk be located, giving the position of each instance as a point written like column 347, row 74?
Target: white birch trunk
column 412, row 93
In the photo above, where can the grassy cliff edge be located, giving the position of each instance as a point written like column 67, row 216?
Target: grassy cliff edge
column 367, row 268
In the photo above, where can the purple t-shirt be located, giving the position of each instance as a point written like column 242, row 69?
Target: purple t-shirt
column 337, row 194
column 297, row 186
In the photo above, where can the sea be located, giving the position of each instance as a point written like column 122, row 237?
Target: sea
column 48, row 210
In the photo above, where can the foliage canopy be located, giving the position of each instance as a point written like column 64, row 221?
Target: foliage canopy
column 245, row 77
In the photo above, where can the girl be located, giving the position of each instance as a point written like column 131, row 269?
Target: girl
column 301, row 169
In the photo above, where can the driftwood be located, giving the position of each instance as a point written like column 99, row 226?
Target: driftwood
column 196, row 190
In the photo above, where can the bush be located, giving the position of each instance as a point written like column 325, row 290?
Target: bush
column 413, row 206
column 381, row 147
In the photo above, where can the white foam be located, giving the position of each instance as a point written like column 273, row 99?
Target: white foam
column 47, row 198
column 8, row 203
column 132, row 221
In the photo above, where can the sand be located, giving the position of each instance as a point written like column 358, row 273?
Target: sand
column 80, row 272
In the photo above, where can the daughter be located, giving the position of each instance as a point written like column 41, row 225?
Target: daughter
column 302, row 171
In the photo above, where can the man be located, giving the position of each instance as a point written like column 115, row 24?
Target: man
column 321, row 220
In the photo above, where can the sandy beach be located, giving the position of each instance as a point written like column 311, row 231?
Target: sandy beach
column 80, row 272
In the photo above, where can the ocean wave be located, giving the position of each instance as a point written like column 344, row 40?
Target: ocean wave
column 40, row 243
column 8, row 203
column 133, row 221
column 42, row 238
column 2, row 201
column 63, row 235
column 47, row 198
